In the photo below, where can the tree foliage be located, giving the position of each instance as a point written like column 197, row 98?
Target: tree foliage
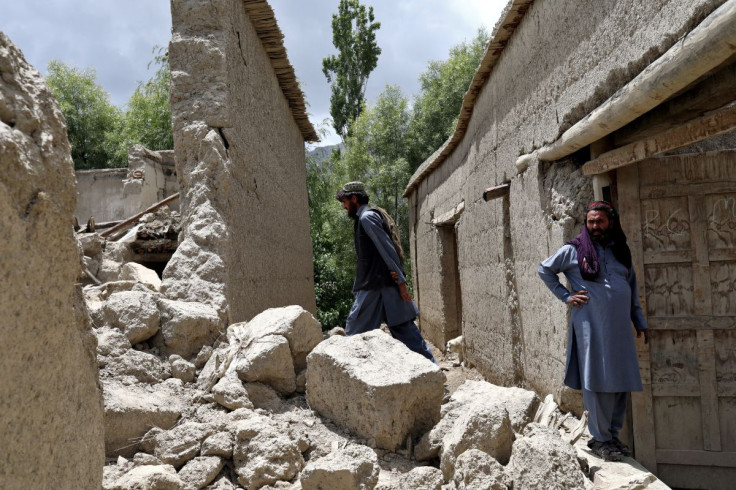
column 354, row 35
column 100, row 133
column 438, row 103
column 91, row 118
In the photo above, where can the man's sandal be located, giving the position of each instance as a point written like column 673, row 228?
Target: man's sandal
column 622, row 448
column 608, row 451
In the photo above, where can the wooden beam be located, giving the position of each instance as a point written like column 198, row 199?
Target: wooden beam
column 696, row 458
column 694, row 131
column 715, row 91
column 133, row 219
column 496, row 192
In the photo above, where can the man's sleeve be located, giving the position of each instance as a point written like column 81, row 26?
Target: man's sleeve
column 549, row 269
column 373, row 225
column 637, row 315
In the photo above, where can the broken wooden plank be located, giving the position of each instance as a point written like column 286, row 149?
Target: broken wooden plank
column 496, row 192
column 686, row 134
column 133, row 219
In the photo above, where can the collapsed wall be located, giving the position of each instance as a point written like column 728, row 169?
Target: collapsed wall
column 50, row 402
column 563, row 60
column 239, row 132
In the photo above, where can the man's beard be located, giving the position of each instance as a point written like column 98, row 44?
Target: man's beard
column 600, row 237
column 353, row 211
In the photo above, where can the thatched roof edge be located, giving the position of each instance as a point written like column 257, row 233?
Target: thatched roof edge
column 264, row 21
column 502, row 32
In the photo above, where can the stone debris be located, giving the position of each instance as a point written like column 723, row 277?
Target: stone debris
column 424, row 477
column 193, row 406
column 201, row 471
column 542, row 459
column 135, row 313
column 478, row 470
column 352, row 468
column 141, row 274
column 479, row 398
column 372, row 385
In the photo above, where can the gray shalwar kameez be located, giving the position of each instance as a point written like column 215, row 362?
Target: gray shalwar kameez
column 373, row 306
column 601, row 352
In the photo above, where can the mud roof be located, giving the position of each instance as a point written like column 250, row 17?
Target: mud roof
column 264, row 21
column 502, row 32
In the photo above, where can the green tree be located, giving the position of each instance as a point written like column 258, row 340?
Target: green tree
column 148, row 118
column 91, row 119
column 376, row 154
column 354, row 36
column 436, row 107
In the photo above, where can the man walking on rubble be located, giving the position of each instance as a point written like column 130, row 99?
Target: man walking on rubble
column 380, row 289
column 601, row 353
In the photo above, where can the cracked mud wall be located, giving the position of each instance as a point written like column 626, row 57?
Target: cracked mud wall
column 50, row 401
column 564, row 59
column 245, row 244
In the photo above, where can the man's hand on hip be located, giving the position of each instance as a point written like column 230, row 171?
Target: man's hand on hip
column 646, row 335
column 578, row 298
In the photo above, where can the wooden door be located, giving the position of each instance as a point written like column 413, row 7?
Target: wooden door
column 680, row 216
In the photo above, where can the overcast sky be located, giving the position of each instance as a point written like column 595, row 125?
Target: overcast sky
column 116, row 38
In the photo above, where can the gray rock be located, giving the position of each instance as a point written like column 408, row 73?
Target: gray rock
column 219, row 444
column 541, row 459
column 424, row 477
column 131, row 411
column 139, row 273
column 372, row 385
column 231, row 394
column 144, row 367
column 180, row 444
column 294, row 323
column 481, row 427
column 354, row 467
column 203, row 356
column 264, row 397
column 268, row 360
column 159, row 477
column 182, row 369
column 477, row 470
column 201, row 471
column 91, row 244
column 141, row 459
column 111, row 342
column 186, row 327
column 264, row 454
column 134, row 313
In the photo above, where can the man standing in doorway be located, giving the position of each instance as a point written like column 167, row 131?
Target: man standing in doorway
column 601, row 353
column 380, row 289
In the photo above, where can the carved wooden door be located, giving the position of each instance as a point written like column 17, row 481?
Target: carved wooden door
column 679, row 213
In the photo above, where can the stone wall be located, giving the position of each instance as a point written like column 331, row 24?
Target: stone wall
column 50, row 402
column 563, row 60
column 245, row 243
column 116, row 194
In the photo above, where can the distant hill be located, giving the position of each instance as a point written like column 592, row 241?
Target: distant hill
column 322, row 153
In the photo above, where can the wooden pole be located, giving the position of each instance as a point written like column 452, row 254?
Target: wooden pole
column 133, row 219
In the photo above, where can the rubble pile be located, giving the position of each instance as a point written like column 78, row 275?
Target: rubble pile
column 275, row 403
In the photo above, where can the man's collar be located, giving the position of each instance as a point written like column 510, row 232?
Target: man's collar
column 361, row 209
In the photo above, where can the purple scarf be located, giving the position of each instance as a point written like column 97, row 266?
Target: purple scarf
column 587, row 256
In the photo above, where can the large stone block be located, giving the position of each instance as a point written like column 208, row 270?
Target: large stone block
column 186, row 327
column 131, row 411
column 133, row 312
column 541, row 459
column 372, row 385
column 353, row 468
column 268, row 360
column 50, row 403
column 294, row 323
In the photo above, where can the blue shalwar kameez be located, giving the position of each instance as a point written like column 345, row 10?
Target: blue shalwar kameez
column 373, row 306
column 601, row 352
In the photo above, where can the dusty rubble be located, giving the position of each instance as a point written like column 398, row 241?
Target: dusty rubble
column 276, row 403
